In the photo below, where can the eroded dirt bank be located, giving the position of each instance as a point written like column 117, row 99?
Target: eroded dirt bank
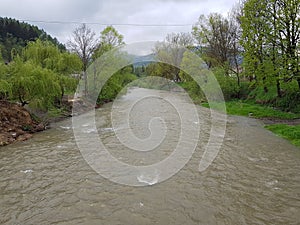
column 16, row 123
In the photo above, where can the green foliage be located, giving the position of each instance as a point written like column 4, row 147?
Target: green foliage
column 194, row 91
column 262, row 97
column 248, row 108
column 228, row 84
column 289, row 132
column 68, row 84
column 170, row 54
column 14, row 35
column 218, row 38
column 114, row 86
column 245, row 89
column 39, row 76
column 46, row 55
column 289, row 101
column 154, row 82
column 140, row 71
column 271, row 38
column 5, row 89
column 34, row 85
column 49, row 56
column 68, row 64
column 109, row 39
column 42, row 53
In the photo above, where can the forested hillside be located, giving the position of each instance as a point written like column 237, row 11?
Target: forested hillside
column 14, row 35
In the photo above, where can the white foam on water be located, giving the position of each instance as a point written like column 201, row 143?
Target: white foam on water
column 107, row 129
column 88, row 131
column 66, row 128
column 148, row 179
column 26, row 171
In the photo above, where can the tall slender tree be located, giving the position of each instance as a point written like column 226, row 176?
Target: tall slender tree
column 83, row 43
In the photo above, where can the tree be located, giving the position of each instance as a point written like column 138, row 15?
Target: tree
column 171, row 53
column 271, row 37
column 109, row 39
column 14, row 35
column 218, row 38
column 33, row 85
column 84, row 44
column 5, row 86
column 48, row 56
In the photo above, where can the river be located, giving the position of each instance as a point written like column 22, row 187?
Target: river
column 255, row 179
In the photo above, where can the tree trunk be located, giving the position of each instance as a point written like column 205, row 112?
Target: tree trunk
column 95, row 74
column 85, row 83
column 278, row 89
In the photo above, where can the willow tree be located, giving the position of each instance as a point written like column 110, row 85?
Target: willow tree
column 5, row 86
column 32, row 84
column 46, row 55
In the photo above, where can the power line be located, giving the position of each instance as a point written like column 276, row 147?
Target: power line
column 107, row 24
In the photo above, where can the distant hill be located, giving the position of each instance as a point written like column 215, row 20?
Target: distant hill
column 144, row 60
column 15, row 35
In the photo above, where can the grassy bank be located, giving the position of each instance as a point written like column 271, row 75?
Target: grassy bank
column 289, row 132
column 242, row 108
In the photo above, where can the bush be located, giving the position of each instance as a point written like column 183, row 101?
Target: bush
column 245, row 89
column 194, row 91
column 114, row 86
column 228, row 84
column 5, row 90
column 260, row 96
column 289, row 101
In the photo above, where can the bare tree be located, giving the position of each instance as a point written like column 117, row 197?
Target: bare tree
column 236, row 33
column 83, row 43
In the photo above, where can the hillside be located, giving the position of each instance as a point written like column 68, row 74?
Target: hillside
column 14, row 35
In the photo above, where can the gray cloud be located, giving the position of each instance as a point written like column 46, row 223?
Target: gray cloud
column 114, row 12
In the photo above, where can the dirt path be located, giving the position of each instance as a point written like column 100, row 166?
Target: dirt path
column 268, row 121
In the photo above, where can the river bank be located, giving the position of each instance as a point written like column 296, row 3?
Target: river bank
column 19, row 124
column 16, row 123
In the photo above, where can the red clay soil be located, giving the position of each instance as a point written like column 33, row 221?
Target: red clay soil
column 16, row 123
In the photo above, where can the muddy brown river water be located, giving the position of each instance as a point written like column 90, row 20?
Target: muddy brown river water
column 255, row 179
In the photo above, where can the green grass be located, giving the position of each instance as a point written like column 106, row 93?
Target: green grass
column 241, row 108
column 289, row 132
column 55, row 112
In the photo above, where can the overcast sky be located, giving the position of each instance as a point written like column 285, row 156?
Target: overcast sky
column 184, row 12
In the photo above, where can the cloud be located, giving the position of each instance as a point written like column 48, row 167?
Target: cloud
column 114, row 12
